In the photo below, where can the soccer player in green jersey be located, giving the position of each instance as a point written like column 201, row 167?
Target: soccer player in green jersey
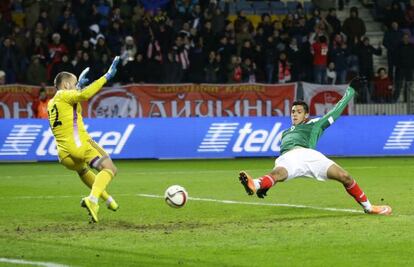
column 299, row 158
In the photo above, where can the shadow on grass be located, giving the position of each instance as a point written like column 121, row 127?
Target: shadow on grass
column 103, row 256
column 171, row 226
column 116, row 225
column 130, row 255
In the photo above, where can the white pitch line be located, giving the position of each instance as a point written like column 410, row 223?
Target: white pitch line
column 35, row 263
column 260, row 204
column 152, row 172
column 211, row 200
column 203, row 199
column 38, row 197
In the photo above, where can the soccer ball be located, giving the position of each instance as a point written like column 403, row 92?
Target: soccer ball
column 176, row 196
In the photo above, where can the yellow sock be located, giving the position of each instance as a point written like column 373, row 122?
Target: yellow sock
column 88, row 178
column 102, row 180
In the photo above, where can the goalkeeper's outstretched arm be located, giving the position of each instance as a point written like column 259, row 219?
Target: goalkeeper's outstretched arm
column 94, row 87
column 90, row 90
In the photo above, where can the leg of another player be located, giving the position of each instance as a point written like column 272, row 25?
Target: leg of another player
column 261, row 185
column 335, row 172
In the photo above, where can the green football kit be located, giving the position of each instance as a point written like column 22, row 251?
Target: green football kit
column 308, row 133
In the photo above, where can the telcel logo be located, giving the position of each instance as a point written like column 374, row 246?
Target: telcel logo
column 260, row 140
column 112, row 141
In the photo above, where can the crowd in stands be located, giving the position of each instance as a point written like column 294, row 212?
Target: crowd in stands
column 398, row 19
column 191, row 41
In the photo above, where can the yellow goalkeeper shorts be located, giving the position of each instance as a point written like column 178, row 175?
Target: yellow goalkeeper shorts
column 89, row 153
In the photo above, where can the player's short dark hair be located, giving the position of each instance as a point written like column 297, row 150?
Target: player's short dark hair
column 301, row 103
column 61, row 77
column 380, row 69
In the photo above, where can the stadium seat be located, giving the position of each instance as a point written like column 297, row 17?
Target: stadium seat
column 255, row 19
column 221, row 4
column 245, row 6
column 278, row 8
column 261, row 7
column 308, row 7
column 291, row 6
column 232, row 7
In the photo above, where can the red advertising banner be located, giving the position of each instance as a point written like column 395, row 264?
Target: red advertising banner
column 16, row 100
column 182, row 100
column 193, row 100
column 321, row 98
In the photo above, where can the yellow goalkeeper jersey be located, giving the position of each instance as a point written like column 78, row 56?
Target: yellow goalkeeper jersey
column 65, row 116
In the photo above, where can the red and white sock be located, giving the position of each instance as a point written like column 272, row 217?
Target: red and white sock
column 356, row 192
column 264, row 182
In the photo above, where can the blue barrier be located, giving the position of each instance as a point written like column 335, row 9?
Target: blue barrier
column 31, row 139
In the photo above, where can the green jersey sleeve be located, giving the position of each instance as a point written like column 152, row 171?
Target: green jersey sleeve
column 337, row 110
column 319, row 125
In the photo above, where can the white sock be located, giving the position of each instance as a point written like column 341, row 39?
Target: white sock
column 93, row 199
column 256, row 183
column 367, row 205
column 109, row 200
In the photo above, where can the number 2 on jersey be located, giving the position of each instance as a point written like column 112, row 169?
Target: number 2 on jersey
column 57, row 122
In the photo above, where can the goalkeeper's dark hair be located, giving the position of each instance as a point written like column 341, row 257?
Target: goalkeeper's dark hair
column 61, row 77
column 301, row 103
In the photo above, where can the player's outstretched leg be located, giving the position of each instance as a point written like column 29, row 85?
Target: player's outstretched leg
column 380, row 210
column 247, row 183
column 88, row 177
column 335, row 172
column 258, row 186
column 356, row 192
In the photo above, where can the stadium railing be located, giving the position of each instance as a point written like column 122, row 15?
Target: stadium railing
column 370, row 104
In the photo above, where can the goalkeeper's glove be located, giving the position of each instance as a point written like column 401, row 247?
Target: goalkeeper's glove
column 83, row 81
column 112, row 69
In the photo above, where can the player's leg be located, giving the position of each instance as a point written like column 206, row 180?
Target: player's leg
column 335, row 172
column 107, row 171
column 287, row 166
column 76, row 164
column 261, row 185
column 98, row 159
column 88, row 178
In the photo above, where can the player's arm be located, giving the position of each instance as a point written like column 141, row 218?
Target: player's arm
column 76, row 96
column 337, row 110
column 88, row 91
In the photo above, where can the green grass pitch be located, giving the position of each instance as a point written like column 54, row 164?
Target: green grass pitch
column 41, row 220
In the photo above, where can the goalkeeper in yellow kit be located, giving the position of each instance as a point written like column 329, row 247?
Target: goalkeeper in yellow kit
column 76, row 149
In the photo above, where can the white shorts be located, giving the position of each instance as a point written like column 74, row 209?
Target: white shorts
column 305, row 162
